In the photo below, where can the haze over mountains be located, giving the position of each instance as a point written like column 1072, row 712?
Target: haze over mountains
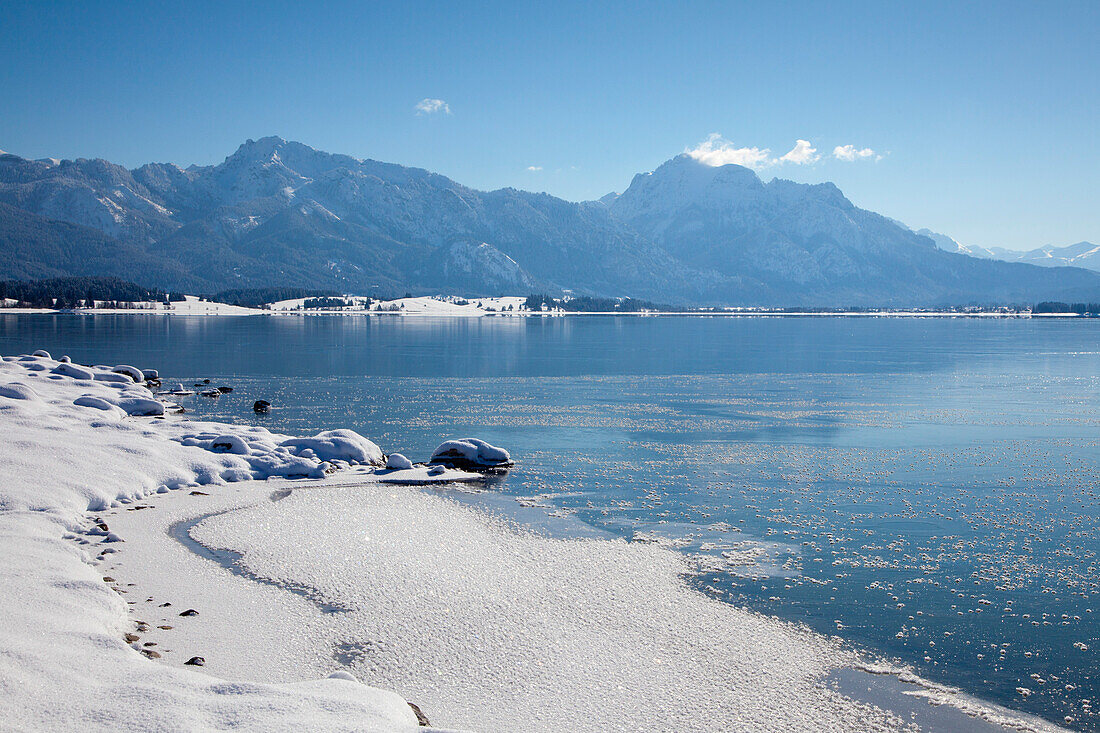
column 281, row 213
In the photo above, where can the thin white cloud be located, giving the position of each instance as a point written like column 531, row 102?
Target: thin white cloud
column 716, row 150
column 429, row 106
column 849, row 153
column 801, row 154
column 534, row 167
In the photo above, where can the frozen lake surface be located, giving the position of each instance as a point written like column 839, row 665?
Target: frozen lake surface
column 925, row 488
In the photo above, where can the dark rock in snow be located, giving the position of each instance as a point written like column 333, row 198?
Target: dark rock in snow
column 189, row 612
column 196, row 662
column 421, row 718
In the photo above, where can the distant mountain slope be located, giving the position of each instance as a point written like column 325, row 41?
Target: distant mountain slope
column 34, row 248
column 948, row 244
column 279, row 213
column 808, row 244
column 1082, row 254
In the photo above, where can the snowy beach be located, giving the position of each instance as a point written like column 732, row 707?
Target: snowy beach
column 304, row 558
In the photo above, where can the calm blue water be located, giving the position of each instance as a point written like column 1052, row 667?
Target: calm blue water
column 926, row 488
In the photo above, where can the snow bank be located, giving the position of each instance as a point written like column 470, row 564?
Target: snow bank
column 63, row 661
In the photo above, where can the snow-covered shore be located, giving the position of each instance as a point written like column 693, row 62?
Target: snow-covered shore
column 65, row 663
column 482, row 624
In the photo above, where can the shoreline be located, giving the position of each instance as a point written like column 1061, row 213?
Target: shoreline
column 158, row 540
column 510, row 307
column 535, row 314
column 131, row 456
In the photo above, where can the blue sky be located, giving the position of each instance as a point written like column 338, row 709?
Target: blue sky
column 982, row 117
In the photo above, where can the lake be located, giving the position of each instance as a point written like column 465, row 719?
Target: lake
column 925, row 488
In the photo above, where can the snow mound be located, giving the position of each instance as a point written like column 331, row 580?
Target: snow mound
column 398, row 462
column 133, row 373
column 340, row 445
column 230, row 444
column 42, row 353
column 140, row 405
column 106, row 374
column 256, row 453
column 75, row 371
column 470, row 453
column 98, row 403
column 19, row 391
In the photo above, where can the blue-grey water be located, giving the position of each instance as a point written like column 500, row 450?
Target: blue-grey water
column 925, row 488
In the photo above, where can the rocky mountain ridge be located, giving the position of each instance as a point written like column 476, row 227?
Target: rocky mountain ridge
column 277, row 212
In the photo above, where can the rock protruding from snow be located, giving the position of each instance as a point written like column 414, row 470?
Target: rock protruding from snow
column 230, row 444
column 398, row 462
column 470, row 454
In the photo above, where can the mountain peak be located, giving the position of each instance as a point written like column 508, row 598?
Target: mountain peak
column 263, row 149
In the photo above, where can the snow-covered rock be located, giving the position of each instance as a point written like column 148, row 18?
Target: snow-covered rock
column 129, row 371
column 398, row 462
column 339, row 445
column 230, row 444
column 470, row 453
column 75, row 371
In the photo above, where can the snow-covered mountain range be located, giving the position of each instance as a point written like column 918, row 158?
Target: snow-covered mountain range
column 282, row 213
column 1082, row 254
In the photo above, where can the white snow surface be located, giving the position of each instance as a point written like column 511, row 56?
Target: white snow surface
column 63, row 662
column 493, row 628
